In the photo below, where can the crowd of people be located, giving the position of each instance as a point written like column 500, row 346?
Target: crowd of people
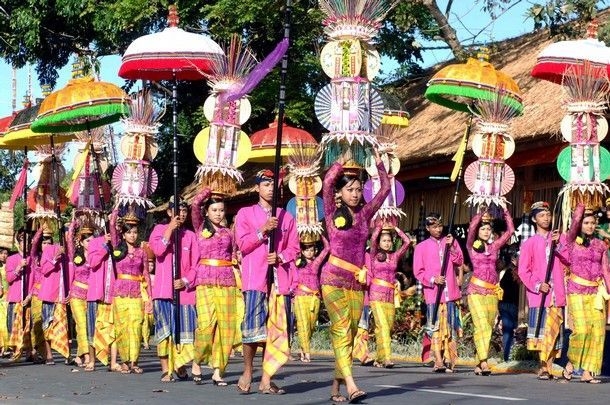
column 232, row 288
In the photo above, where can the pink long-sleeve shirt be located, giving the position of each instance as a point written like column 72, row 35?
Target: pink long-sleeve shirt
column 348, row 244
column 15, row 281
column 386, row 270
column 52, row 274
column 427, row 262
column 484, row 263
column 101, row 277
column 590, row 263
column 254, row 249
column 219, row 246
column 309, row 275
column 132, row 265
column 532, row 271
column 163, row 287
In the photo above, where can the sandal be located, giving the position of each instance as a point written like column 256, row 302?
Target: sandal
column 478, row 371
column 592, row 381
column 357, row 396
column 116, row 368
column 243, row 388
column 439, row 369
column 125, row 369
column 50, row 362
column 137, row 370
column 219, row 383
column 377, row 364
column 90, row 367
column 388, row 365
column 367, row 362
column 197, row 379
column 182, row 374
column 545, row 376
column 167, row 378
column 337, row 398
column 272, row 389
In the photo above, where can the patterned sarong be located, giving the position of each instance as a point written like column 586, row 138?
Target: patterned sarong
column 216, row 325
column 446, row 331
column 277, row 349
column 104, row 331
column 240, row 308
column 588, row 333
column 383, row 312
column 36, row 331
column 54, row 325
column 306, row 308
column 256, row 308
column 79, row 314
column 344, row 308
column 20, row 335
column 483, row 309
column 91, row 316
column 178, row 356
column 361, row 341
column 128, row 314
column 4, row 335
column 550, row 337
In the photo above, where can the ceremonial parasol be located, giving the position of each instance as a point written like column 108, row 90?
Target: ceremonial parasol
column 172, row 54
column 458, row 87
column 264, row 142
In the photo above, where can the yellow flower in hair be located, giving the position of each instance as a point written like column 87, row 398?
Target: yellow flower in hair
column 116, row 253
column 78, row 260
column 299, row 261
column 477, row 244
column 206, row 234
column 579, row 240
column 340, row 222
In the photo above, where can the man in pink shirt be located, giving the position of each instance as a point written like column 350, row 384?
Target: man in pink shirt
column 427, row 262
column 161, row 242
column 253, row 226
column 534, row 256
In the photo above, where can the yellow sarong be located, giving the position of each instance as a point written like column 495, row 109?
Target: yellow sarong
column 4, row 335
column 216, row 325
column 588, row 333
column 57, row 331
column 79, row 314
column 383, row 312
column 104, row 332
column 36, row 331
column 483, row 309
column 128, row 315
column 306, row 308
column 344, row 308
column 277, row 349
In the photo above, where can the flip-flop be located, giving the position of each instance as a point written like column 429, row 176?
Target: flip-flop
column 219, row 383
column 567, row 375
column 197, row 379
column 89, row 367
column 272, row 389
column 167, row 378
column 592, row 381
column 357, row 396
column 137, row 370
column 439, row 369
column 243, row 388
column 545, row 376
column 337, row 398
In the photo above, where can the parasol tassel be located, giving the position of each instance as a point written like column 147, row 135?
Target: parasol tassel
column 458, row 158
column 20, row 186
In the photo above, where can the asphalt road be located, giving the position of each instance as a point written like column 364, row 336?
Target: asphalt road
column 25, row 383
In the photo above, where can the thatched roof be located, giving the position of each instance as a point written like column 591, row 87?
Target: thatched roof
column 435, row 131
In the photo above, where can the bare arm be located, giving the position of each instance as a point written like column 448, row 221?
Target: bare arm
column 406, row 243
column 328, row 193
column 510, row 229
column 196, row 216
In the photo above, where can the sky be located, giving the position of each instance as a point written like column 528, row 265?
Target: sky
column 466, row 17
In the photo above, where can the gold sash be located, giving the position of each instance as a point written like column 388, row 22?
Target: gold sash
column 216, row 262
column 395, row 287
column 488, row 286
column 359, row 273
column 130, row 277
column 81, row 285
column 308, row 290
column 601, row 296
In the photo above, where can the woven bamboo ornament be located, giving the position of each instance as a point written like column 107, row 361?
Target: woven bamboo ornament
column 349, row 108
column 134, row 180
column 6, row 226
column 42, row 198
column 223, row 146
column 489, row 178
column 305, row 183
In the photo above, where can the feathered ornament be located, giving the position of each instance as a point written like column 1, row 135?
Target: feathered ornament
column 305, row 183
column 489, row 178
column 349, row 108
column 134, row 180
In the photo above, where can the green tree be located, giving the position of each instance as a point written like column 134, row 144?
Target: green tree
column 10, row 165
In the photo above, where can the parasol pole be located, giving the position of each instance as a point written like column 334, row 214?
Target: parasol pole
column 176, row 208
column 458, row 182
column 26, row 253
column 271, row 275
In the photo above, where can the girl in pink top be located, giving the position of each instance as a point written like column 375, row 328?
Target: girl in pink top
column 589, row 271
column 132, row 270
column 215, row 284
column 382, row 288
column 484, row 288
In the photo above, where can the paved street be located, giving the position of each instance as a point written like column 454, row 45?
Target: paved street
column 305, row 384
